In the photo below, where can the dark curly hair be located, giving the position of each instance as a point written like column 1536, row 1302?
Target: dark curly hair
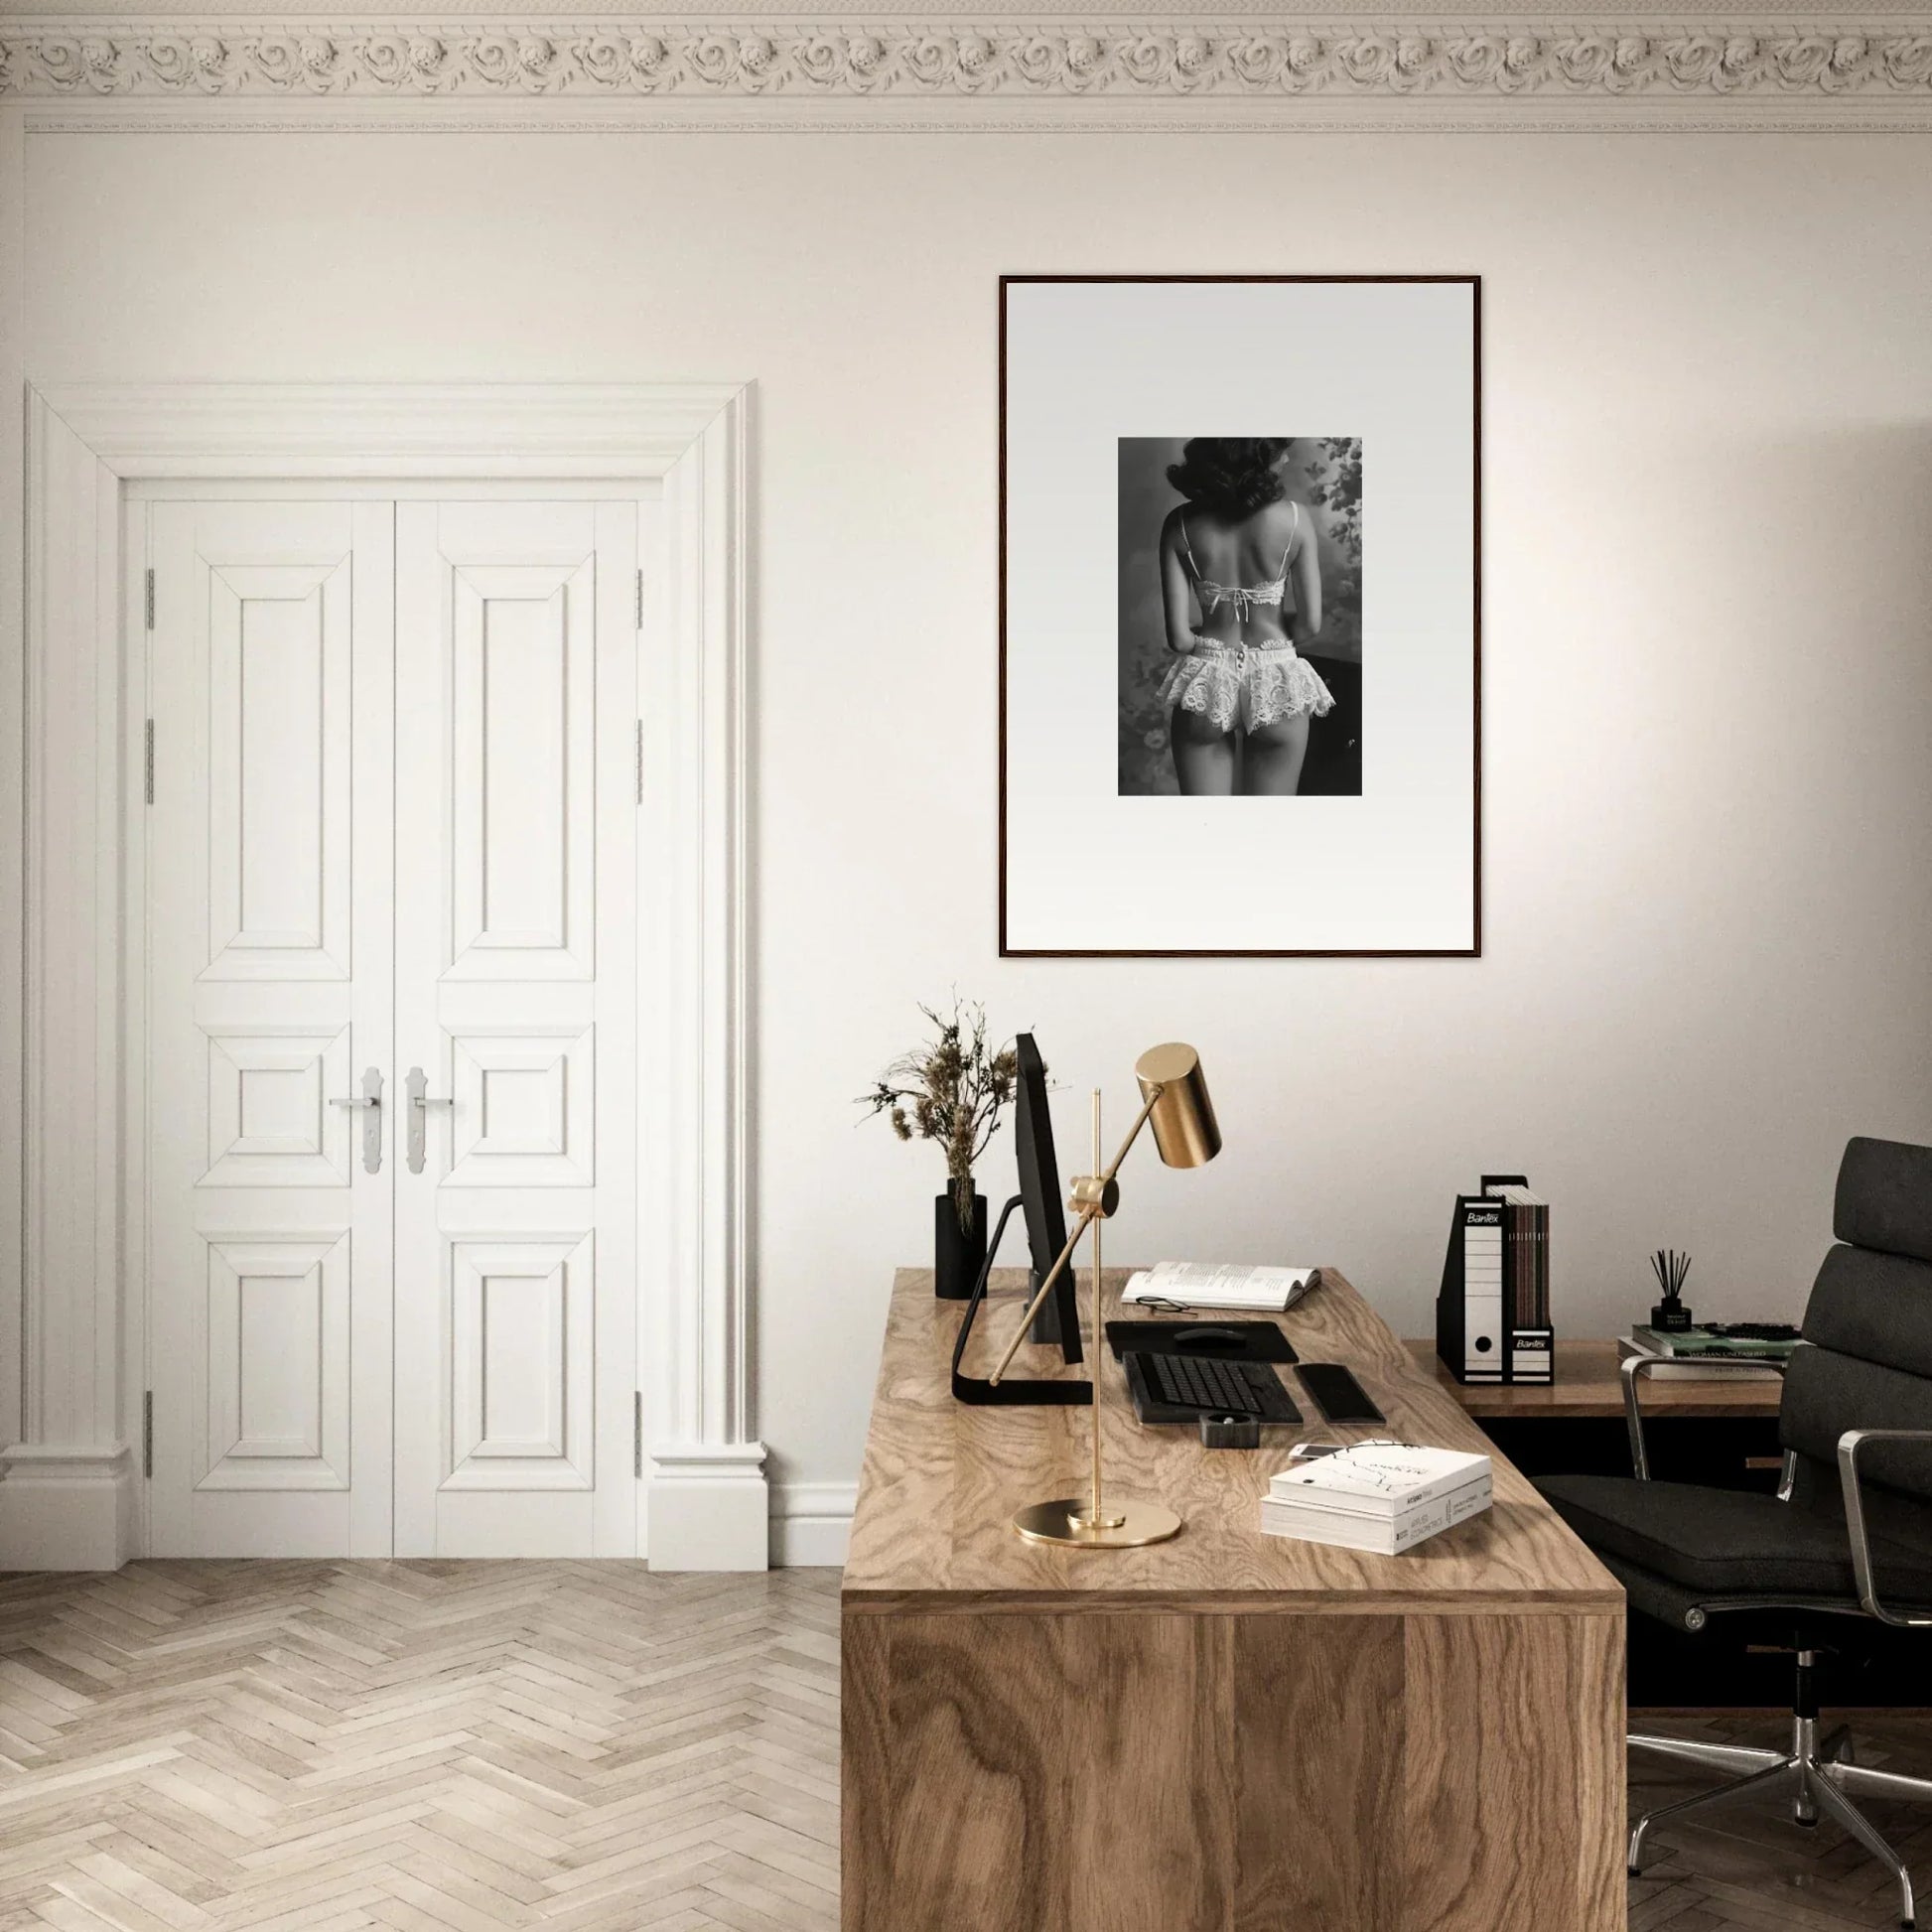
column 1233, row 475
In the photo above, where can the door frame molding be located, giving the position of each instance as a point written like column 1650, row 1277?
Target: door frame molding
column 70, row 1493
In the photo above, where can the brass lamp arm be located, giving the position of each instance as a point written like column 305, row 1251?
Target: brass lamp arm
column 1090, row 1211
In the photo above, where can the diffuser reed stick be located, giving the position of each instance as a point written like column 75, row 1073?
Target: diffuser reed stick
column 1670, row 1266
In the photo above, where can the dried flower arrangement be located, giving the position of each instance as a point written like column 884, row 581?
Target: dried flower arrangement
column 952, row 1090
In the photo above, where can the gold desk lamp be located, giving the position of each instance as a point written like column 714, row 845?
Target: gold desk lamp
column 1175, row 1102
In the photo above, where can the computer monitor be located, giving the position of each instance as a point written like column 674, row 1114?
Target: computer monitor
column 1039, row 1200
column 1039, row 1196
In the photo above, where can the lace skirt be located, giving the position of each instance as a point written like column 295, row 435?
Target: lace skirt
column 1253, row 685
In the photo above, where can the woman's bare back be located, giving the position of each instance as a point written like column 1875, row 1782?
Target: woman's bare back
column 1230, row 559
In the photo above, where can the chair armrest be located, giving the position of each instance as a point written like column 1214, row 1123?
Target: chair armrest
column 1848, row 1445
column 1634, row 1367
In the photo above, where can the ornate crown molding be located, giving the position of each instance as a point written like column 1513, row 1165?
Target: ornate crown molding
column 1808, row 71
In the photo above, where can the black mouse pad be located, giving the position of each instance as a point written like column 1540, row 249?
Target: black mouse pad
column 1222, row 1342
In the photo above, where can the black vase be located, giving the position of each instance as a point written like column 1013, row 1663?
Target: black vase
column 957, row 1254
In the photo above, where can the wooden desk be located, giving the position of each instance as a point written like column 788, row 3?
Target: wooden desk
column 1588, row 1385
column 1227, row 1732
column 1721, row 1433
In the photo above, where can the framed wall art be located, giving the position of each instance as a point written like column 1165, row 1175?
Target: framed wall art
column 1240, row 614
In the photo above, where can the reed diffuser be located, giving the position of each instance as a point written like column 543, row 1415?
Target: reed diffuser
column 1670, row 1315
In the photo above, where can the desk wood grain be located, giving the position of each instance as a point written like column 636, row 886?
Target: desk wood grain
column 941, row 1480
column 1227, row 1732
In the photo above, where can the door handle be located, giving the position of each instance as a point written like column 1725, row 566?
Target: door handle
column 420, row 1102
column 370, row 1099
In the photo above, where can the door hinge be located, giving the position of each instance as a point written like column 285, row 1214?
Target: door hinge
column 640, row 598
column 640, row 761
column 150, row 600
column 147, row 761
column 146, row 1434
column 637, row 1432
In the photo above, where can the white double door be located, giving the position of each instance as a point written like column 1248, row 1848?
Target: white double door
column 391, row 1027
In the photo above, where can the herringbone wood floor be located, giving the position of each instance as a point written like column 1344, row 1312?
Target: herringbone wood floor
column 431, row 1746
column 459, row 1747
column 1748, row 1865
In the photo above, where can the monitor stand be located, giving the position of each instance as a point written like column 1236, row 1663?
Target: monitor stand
column 1012, row 1391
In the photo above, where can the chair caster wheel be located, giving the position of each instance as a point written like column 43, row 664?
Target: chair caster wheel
column 1633, row 1872
column 1809, row 1824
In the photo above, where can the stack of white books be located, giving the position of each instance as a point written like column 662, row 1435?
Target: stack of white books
column 1216, row 1284
column 1381, row 1496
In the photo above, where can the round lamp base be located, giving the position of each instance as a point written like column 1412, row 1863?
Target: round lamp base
column 1130, row 1526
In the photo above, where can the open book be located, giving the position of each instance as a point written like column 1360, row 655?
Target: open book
column 1216, row 1284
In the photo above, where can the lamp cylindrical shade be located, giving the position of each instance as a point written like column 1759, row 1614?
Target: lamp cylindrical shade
column 1185, row 1127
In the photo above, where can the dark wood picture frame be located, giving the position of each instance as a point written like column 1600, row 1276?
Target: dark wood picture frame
column 1474, row 949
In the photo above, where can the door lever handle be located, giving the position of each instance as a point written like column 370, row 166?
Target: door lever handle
column 421, row 1100
column 370, row 1099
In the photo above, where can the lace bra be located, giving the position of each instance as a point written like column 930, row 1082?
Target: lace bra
column 1245, row 600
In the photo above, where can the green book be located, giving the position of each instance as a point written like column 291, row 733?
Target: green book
column 1700, row 1341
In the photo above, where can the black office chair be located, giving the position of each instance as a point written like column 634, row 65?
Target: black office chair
column 1847, row 1540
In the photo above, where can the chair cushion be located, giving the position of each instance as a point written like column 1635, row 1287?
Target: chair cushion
column 1877, row 1308
column 1826, row 1393
column 1727, row 1542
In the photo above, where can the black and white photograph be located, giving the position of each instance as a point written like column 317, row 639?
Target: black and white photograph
column 1241, row 616
column 1221, row 731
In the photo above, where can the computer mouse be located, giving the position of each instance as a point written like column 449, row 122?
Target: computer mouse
column 1209, row 1337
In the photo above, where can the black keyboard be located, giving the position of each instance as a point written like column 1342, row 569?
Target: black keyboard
column 1206, row 1387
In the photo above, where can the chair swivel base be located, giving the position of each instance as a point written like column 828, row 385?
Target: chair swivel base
column 1818, row 1774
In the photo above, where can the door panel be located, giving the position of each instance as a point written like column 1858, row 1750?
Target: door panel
column 523, row 740
column 278, row 780
column 278, row 1412
column 524, row 1107
column 269, row 993
column 515, row 1250
column 522, row 1399
column 270, row 1121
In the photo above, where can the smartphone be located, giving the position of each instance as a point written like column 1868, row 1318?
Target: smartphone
column 1337, row 1393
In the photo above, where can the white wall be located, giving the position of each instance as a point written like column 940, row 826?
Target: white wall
column 1706, row 649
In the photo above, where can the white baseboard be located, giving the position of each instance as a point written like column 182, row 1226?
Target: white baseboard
column 64, row 1508
column 708, row 1507
column 811, row 1523
column 73, row 1509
